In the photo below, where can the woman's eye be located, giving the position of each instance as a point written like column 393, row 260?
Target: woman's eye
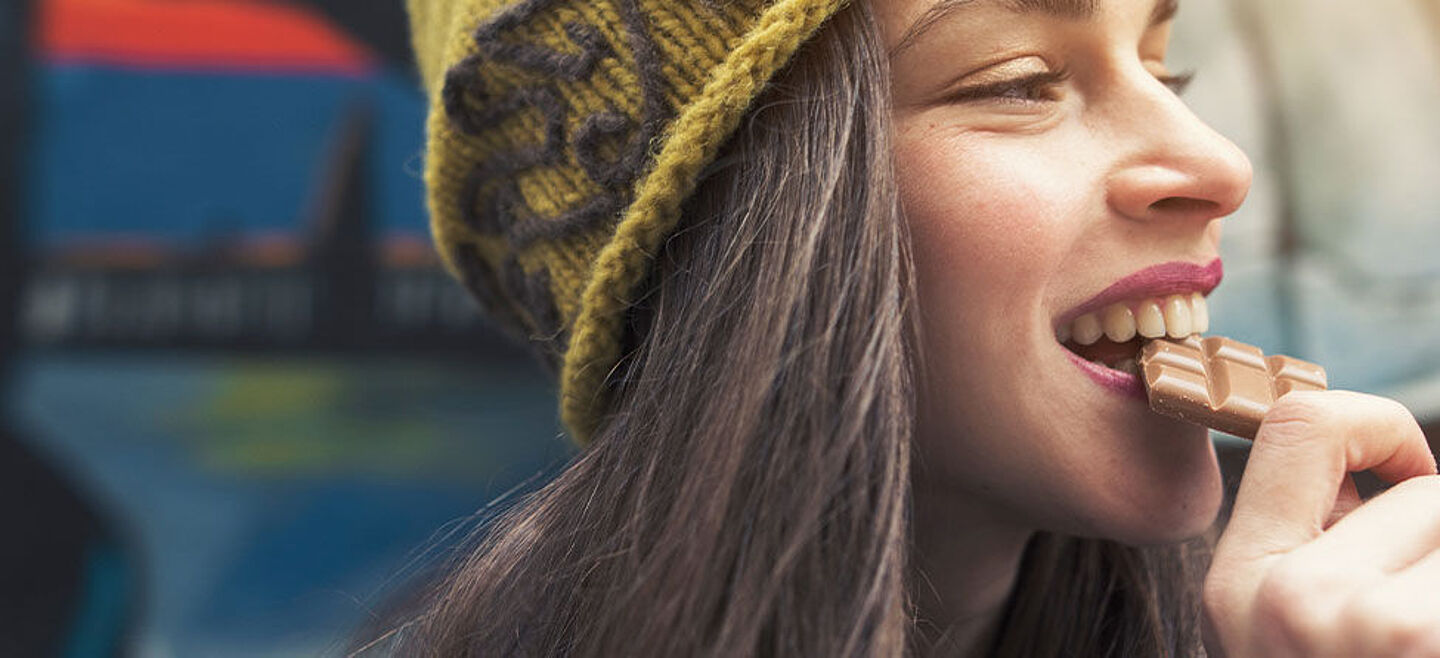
column 1044, row 87
column 1037, row 88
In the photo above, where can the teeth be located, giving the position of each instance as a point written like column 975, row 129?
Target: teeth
column 1149, row 321
column 1176, row 316
column 1119, row 323
column 1199, row 313
column 1086, row 329
column 1128, row 365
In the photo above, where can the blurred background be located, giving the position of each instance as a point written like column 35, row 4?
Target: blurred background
column 244, row 410
column 247, row 401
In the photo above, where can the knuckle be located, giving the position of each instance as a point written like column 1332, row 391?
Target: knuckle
column 1379, row 405
column 1294, row 599
column 1389, row 626
column 1392, row 415
column 1390, row 408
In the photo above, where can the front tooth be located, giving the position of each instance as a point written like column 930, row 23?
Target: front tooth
column 1148, row 319
column 1119, row 322
column 1086, row 329
column 1199, row 313
column 1177, row 316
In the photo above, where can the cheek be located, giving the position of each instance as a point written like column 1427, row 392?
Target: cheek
column 989, row 230
column 989, row 226
column 983, row 214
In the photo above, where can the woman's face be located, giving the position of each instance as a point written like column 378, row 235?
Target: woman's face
column 1048, row 171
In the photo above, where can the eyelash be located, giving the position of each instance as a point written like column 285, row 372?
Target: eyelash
column 1034, row 87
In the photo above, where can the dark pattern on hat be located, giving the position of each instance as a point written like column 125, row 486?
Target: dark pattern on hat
column 490, row 201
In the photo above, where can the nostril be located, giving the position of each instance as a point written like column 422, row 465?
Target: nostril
column 1185, row 205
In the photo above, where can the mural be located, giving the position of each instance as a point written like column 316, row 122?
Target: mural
column 228, row 174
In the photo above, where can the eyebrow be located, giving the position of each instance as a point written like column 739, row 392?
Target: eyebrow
column 1164, row 10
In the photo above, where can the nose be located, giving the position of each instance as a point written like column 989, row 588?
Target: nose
column 1174, row 166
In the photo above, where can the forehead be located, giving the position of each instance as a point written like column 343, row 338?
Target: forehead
column 1066, row 8
column 931, row 12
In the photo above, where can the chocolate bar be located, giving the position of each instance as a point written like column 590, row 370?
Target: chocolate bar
column 1221, row 383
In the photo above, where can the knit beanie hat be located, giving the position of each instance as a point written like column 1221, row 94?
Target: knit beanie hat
column 562, row 138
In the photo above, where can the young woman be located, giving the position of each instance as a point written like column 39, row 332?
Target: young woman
column 816, row 276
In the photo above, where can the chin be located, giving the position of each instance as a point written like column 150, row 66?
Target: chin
column 1155, row 488
column 1170, row 506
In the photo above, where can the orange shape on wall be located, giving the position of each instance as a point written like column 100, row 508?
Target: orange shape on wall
column 229, row 35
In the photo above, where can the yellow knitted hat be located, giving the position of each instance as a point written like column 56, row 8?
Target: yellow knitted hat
column 563, row 137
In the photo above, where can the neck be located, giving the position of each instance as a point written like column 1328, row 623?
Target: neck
column 966, row 559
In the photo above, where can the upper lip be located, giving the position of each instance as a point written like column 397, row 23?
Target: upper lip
column 1154, row 281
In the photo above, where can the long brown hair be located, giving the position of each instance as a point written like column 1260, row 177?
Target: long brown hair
column 748, row 493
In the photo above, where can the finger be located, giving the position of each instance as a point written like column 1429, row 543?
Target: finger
column 1305, row 446
column 1386, row 534
column 1345, row 503
column 1399, row 615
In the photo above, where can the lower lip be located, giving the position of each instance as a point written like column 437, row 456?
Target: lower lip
column 1121, row 383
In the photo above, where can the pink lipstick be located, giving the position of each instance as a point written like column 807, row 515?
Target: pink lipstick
column 1154, row 281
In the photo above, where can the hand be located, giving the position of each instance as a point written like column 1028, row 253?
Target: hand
column 1294, row 574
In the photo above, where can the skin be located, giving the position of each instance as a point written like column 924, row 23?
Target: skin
column 1025, row 200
